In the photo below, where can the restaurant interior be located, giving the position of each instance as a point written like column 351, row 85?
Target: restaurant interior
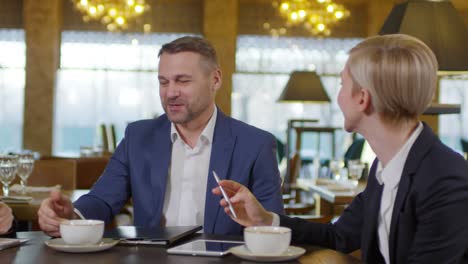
column 75, row 73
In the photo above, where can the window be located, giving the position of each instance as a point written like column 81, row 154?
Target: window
column 104, row 78
column 263, row 65
column 454, row 127
column 12, row 81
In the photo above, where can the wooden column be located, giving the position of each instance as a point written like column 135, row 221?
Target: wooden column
column 220, row 21
column 42, row 24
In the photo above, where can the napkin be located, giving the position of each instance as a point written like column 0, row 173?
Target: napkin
column 11, row 242
column 15, row 199
column 32, row 189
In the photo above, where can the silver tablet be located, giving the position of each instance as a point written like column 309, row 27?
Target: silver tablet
column 204, row 247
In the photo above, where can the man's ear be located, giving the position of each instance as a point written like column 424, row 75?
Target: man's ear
column 217, row 79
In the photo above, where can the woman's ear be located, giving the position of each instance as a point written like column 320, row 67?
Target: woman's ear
column 365, row 101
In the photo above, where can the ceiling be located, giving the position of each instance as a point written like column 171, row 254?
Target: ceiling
column 459, row 4
column 367, row 17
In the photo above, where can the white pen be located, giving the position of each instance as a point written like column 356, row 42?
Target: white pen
column 225, row 195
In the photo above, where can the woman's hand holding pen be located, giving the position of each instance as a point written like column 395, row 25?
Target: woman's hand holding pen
column 249, row 211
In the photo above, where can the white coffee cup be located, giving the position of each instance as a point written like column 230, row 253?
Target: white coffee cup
column 267, row 240
column 82, row 231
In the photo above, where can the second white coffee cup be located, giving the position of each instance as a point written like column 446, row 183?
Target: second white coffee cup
column 267, row 240
column 82, row 231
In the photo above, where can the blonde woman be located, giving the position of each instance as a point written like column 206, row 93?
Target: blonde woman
column 415, row 206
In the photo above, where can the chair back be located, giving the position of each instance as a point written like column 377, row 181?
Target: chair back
column 354, row 151
column 279, row 150
column 49, row 172
column 112, row 139
column 88, row 170
column 464, row 145
column 104, row 139
column 294, row 167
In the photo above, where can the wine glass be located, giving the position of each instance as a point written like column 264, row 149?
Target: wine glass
column 336, row 165
column 355, row 169
column 25, row 167
column 8, row 167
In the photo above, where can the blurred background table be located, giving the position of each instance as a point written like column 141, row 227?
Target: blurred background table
column 329, row 195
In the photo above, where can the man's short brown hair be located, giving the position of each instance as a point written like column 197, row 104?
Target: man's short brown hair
column 192, row 44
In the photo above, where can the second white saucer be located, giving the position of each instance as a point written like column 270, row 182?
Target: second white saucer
column 290, row 254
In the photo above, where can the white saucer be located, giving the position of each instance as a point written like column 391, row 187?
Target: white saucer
column 60, row 245
column 290, row 254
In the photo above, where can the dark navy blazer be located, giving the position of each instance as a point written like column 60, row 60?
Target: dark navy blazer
column 430, row 215
column 139, row 169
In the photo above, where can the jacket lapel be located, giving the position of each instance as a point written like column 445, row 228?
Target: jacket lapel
column 220, row 160
column 370, row 226
column 159, row 157
column 419, row 149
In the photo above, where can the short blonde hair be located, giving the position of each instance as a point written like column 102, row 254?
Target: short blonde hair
column 400, row 73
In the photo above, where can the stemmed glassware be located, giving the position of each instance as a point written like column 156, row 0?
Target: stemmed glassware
column 25, row 167
column 355, row 169
column 8, row 167
column 336, row 165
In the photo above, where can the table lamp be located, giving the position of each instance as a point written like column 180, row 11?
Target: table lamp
column 304, row 86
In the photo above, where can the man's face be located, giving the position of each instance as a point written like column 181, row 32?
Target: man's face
column 187, row 86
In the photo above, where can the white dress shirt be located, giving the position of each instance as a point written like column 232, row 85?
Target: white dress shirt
column 390, row 177
column 184, row 200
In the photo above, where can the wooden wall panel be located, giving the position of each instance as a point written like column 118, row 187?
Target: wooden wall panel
column 11, row 14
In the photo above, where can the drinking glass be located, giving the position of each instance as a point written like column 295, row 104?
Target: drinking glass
column 355, row 169
column 336, row 165
column 8, row 167
column 25, row 167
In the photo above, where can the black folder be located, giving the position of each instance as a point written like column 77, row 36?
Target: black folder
column 134, row 235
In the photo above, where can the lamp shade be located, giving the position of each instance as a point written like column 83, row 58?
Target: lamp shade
column 436, row 23
column 304, row 86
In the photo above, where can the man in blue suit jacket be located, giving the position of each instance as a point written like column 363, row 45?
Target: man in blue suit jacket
column 415, row 205
column 165, row 165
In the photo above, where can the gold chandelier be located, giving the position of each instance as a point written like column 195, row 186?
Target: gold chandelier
column 115, row 14
column 317, row 16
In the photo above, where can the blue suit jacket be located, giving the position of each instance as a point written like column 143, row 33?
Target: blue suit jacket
column 430, row 215
column 139, row 169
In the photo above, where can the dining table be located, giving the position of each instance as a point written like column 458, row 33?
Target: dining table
column 35, row 251
column 331, row 194
column 26, row 211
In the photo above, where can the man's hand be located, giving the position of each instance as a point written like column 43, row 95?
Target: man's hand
column 54, row 210
column 248, row 210
column 6, row 218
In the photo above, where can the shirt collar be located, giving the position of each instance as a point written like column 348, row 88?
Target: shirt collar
column 207, row 133
column 390, row 175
